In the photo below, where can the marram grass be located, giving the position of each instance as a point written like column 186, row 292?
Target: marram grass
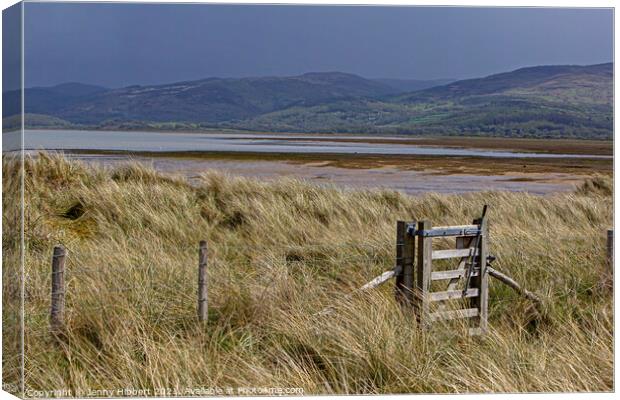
column 278, row 253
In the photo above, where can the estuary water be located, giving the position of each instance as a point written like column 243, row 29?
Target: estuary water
column 136, row 141
column 84, row 146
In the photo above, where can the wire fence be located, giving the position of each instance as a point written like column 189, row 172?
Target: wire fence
column 153, row 288
column 175, row 289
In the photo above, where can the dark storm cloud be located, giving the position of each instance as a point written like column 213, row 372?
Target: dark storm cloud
column 122, row 44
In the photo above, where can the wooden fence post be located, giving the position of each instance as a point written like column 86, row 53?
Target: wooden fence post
column 405, row 251
column 481, row 282
column 57, row 309
column 610, row 249
column 202, row 282
column 423, row 278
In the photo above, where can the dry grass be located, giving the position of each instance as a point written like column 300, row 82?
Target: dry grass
column 279, row 252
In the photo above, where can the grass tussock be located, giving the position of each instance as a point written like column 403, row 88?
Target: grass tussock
column 597, row 185
column 278, row 253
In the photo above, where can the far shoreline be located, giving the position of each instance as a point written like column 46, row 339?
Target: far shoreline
column 595, row 147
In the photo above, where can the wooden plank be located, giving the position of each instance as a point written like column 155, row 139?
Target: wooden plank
column 387, row 275
column 384, row 277
column 453, row 294
column 451, row 274
column 450, row 315
column 454, row 253
column 505, row 279
column 442, row 228
column 203, row 310
column 447, row 232
column 405, row 251
column 423, row 278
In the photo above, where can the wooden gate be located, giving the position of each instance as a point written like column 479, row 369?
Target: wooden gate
column 468, row 282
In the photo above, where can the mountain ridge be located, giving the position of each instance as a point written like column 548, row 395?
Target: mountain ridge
column 538, row 101
column 516, row 78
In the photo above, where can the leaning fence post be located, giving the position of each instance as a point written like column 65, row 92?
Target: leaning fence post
column 202, row 281
column 57, row 309
column 405, row 250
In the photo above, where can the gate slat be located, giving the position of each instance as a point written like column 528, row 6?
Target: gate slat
column 453, row 253
column 449, row 315
column 451, row 274
column 453, row 294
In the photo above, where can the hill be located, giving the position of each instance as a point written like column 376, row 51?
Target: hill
column 531, row 77
column 210, row 100
column 48, row 100
column 544, row 101
column 14, row 122
column 550, row 101
column 411, row 85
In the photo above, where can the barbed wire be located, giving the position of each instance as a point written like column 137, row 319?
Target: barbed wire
column 376, row 248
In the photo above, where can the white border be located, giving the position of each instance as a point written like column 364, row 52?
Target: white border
column 476, row 3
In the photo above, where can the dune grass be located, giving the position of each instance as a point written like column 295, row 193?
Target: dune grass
column 278, row 253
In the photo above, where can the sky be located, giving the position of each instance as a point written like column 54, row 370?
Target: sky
column 11, row 47
column 116, row 45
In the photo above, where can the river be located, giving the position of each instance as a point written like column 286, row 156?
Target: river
column 136, row 141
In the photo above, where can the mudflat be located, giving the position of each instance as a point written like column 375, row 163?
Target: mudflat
column 435, row 164
column 412, row 176
column 551, row 146
column 440, row 164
